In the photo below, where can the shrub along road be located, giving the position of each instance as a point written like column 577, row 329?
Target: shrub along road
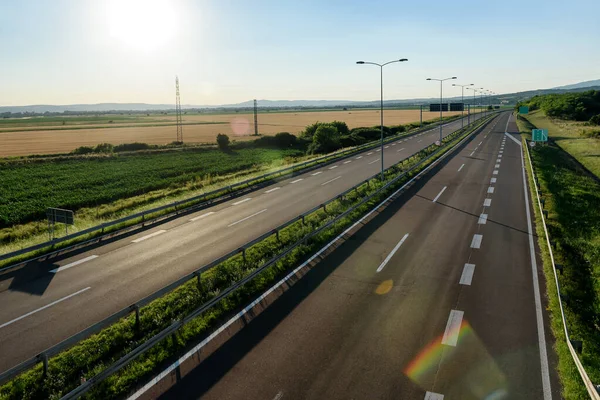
column 79, row 290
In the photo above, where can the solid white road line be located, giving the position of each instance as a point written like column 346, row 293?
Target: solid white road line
column 493, row 180
column 471, row 155
column 73, row 264
column 467, row 274
column 272, row 190
column 433, row 396
column 242, row 201
column 491, row 189
column 398, row 151
column 480, row 143
column 148, row 236
column 513, row 139
column 476, row 242
column 461, row 167
column 347, row 162
column 375, row 161
column 450, row 337
column 536, row 294
column 248, row 217
column 297, row 180
column 439, row 194
column 482, row 219
column 206, row 215
column 495, row 172
column 334, row 167
column 325, row 183
column 487, row 202
column 395, row 249
column 317, row 173
column 44, row 307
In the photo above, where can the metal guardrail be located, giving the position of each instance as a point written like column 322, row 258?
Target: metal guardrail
column 593, row 390
column 140, row 350
column 204, row 200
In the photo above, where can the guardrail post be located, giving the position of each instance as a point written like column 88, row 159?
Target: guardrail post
column 137, row 316
column 143, row 220
column 546, row 214
column 277, row 234
column 577, row 345
column 45, row 361
column 244, row 253
column 324, row 207
column 559, row 268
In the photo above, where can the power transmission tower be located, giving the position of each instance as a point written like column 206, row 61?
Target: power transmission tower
column 255, row 118
column 178, row 112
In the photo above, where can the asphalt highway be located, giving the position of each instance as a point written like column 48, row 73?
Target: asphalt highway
column 440, row 296
column 81, row 289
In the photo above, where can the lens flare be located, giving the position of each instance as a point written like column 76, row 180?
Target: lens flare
column 240, row 126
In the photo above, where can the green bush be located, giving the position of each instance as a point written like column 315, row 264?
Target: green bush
column 325, row 140
column 104, row 148
column 285, row 140
column 595, row 120
column 131, row 147
column 367, row 133
column 581, row 106
column 83, row 150
column 310, row 130
column 341, row 127
column 223, row 141
column 397, row 129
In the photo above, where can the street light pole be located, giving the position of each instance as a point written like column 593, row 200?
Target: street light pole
column 462, row 99
column 441, row 81
column 481, row 90
column 381, row 110
column 474, row 91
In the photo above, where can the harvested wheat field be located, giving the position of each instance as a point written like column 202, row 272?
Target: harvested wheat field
column 204, row 129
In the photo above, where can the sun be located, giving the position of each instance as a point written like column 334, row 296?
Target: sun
column 142, row 24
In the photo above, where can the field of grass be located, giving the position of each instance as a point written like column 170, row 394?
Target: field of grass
column 28, row 188
column 96, row 353
column 576, row 138
column 203, row 128
column 571, row 198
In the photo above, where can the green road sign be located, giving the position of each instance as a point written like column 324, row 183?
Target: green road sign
column 539, row 135
column 523, row 110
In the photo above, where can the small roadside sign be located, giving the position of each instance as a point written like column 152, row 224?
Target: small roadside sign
column 524, row 110
column 539, row 135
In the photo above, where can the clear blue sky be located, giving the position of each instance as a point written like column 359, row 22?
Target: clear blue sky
column 226, row 51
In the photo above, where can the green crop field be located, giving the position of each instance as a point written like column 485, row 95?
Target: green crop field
column 28, row 188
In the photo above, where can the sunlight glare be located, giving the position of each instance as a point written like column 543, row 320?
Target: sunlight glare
column 142, row 24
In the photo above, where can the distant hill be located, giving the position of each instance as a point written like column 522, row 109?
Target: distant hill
column 509, row 98
column 581, row 85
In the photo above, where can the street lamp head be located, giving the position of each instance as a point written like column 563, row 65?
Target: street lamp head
column 403, row 59
column 360, row 62
column 471, row 84
column 428, row 79
column 453, row 77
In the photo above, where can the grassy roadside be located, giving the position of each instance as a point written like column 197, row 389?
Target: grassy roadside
column 94, row 354
column 576, row 138
column 568, row 195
